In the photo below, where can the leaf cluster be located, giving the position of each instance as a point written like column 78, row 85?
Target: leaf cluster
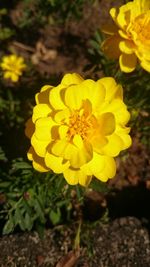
column 31, row 200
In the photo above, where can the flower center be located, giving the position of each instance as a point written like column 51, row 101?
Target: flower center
column 139, row 29
column 80, row 124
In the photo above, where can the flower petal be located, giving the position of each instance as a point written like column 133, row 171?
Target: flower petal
column 74, row 97
column 39, row 145
column 127, row 62
column 110, row 86
column 42, row 97
column 38, row 162
column 119, row 109
column 142, row 5
column 96, row 164
column 71, row 78
column 89, row 90
column 106, row 123
column 111, row 46
column 108, row 171
column 124, row 15
column 43, row 128
column 40, row 111
column 74, row 177
column 56, row 163
column 98, row 142
column 123, row 132
column 56, row 97
column 29, row 128
column 146, row 65
column 127, row 47
column 110, row 28
column 62, row 115
column 113, row 146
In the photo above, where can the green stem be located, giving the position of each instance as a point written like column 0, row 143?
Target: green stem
column 77, row 238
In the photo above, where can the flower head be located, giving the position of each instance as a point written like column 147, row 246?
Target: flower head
column 130, row 36
column 12, row 67
column 77, row 128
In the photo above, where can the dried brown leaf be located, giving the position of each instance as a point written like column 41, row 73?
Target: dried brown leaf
column 69, row 260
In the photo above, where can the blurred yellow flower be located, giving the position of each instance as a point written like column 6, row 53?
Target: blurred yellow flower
column 77, row 128
column 130, row 35
column 12, row 67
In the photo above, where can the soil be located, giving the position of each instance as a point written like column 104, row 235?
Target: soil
column 124, row 240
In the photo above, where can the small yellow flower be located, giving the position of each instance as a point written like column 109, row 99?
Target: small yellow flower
column 77, row 128
column 12, row 67
column 130, row 36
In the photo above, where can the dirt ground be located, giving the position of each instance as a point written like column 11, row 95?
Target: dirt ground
column 124, row 240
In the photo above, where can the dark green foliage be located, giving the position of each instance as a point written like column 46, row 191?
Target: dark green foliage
column 31, row 199
column 40, row 12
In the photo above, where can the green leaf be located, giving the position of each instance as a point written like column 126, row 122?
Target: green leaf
column 99, row 186
column 55, row 216
column 19, row 219
column 9, row 226
column 4, row 184
column 40, row 228
column 39, row 211
column 28, row 222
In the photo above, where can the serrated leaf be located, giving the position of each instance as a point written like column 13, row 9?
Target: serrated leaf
column 19, row 219
column 39, row 211
column 9, row 226
column 4, row 184
column 28, row 221
column 55, row 216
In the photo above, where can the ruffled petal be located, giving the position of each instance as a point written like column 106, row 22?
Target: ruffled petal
column 74, row 177
column 119, row 109
column 62, row 115
column 142, row 6
column 43, row 128
column 93, row 91
column 123, row 132
column 43, row 96
column 71, row 78
column 108, row 171
column 56, row 97
column 106, row 123
column 127, row 47
column 29, row 128
column 95, row 165
column 110, row 29
column 39, row 145
column 56, row 163
column 74, row 97
column 146, row 65
column 110, row 86
column 40, row 111
column 98, row 142
column 127, row 62
column 111, row 46
column 113, row 146
column 38, row 162
column 124, row 15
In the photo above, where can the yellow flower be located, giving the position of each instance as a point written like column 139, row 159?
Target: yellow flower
column 12, row 67
column 77, row 128
column 130, row 35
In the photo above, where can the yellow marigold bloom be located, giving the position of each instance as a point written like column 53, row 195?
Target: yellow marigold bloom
column 77, row 129
column 12, row 67
column 130, row 36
